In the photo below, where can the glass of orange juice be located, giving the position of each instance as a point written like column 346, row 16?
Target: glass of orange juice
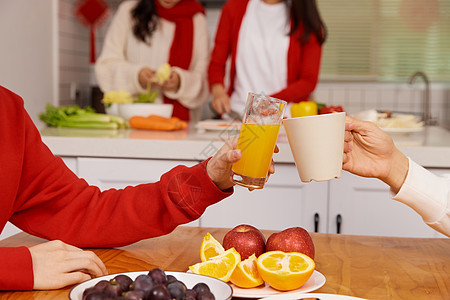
column 257, row 139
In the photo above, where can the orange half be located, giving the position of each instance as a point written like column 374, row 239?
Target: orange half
column 285, row 271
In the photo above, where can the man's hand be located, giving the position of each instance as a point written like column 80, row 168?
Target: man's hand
column 56, row 265
column 219, row 166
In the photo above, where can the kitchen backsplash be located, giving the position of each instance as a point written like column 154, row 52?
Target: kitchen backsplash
column 77, row 76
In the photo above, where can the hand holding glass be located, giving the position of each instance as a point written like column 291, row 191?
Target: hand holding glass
column 257, row 139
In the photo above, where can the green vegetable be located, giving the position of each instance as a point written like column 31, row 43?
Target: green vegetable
column 74, row 116
column 148, row 97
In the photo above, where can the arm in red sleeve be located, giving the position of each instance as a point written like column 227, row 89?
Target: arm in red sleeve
column 303, row 70
column 222, row 47
column 43, row 197
column 16, row 269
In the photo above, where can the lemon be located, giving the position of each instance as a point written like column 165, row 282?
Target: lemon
column 210, row 247
column 285, row 271
column 220, row 267
column 246, row 274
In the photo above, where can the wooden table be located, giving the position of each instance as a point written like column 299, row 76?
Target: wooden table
column 361, row 266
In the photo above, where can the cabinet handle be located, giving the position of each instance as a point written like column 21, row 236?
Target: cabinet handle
column 338, row 223
column 316, row 222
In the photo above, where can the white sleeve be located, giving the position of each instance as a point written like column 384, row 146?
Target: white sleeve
column 428, row 195
column 194, row 90
column 112, row 69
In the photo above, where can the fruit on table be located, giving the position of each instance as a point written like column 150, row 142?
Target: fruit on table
column 294, row 239
column 246, row 274
column 210, row 247
column 330, row 109
column 220, row 267
column 303, row 109
column 144, row 287
column 246, row 239
column 285, row 271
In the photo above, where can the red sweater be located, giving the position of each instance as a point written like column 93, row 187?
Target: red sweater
column 303, row 60
column 40, row 195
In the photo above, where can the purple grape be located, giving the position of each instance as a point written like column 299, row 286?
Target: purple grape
column 158, row 276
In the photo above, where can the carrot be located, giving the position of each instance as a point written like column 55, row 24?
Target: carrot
column 139, row 122
column 155, row 122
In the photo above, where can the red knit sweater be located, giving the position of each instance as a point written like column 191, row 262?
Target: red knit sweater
column 40, row 195
column 303, row 60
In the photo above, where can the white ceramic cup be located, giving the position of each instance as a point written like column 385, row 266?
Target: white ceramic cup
column 317, row 144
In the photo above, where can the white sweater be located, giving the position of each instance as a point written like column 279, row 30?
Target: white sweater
column 428, row 195
column 123, row 56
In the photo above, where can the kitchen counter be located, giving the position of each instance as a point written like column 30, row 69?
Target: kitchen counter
column 430, row 148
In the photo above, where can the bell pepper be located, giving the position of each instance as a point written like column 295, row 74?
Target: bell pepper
column 330, row 109
column 303, row 109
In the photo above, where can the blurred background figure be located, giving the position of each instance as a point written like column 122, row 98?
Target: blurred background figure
column 146, row 34
column 275, row 48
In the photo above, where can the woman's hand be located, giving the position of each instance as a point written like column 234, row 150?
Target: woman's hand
column 221, row 101
column 173, row 83
column 57, row 264
column 370, row 152
column 145, row 77
column 219, row 166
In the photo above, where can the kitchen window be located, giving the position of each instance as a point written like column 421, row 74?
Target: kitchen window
column 386, row 40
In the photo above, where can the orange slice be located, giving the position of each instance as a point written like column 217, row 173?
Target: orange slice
column 220, row 267
column 210, row 247
column 285, row 271
column 246, row 274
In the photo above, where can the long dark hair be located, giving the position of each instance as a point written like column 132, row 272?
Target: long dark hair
column 145, row 19
column 305, row 12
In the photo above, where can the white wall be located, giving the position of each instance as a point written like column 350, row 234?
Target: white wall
column 28, row 52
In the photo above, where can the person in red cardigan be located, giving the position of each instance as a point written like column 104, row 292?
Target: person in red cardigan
column 41, row 196
column 275, row 47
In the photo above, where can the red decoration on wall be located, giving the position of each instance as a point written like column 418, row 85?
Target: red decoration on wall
column 91, row 13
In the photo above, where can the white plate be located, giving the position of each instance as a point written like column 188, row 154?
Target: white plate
column 316, row 281
column 320, row 296
column 402, row 130
column 220, row 289
column 218, row 125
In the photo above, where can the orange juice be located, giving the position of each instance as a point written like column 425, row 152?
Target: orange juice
column 257, row 143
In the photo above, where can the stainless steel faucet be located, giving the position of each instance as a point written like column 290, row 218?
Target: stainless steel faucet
column 426, row 105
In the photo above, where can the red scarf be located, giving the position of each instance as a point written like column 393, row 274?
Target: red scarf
column 181, row 50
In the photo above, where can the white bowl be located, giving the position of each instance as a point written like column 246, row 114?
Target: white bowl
column 126, row 111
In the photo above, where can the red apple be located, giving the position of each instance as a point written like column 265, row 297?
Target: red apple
column 295, row 239
column 246, row 239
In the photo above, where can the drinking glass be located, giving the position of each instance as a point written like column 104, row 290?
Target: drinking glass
column 257, row 139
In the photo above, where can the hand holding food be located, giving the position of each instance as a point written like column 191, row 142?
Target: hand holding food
column 145, row 76
column 162, row 74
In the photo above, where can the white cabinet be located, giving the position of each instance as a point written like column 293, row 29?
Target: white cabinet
column 366, row 208
column 363, row 205
column 118, row 173
column 284, row 202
